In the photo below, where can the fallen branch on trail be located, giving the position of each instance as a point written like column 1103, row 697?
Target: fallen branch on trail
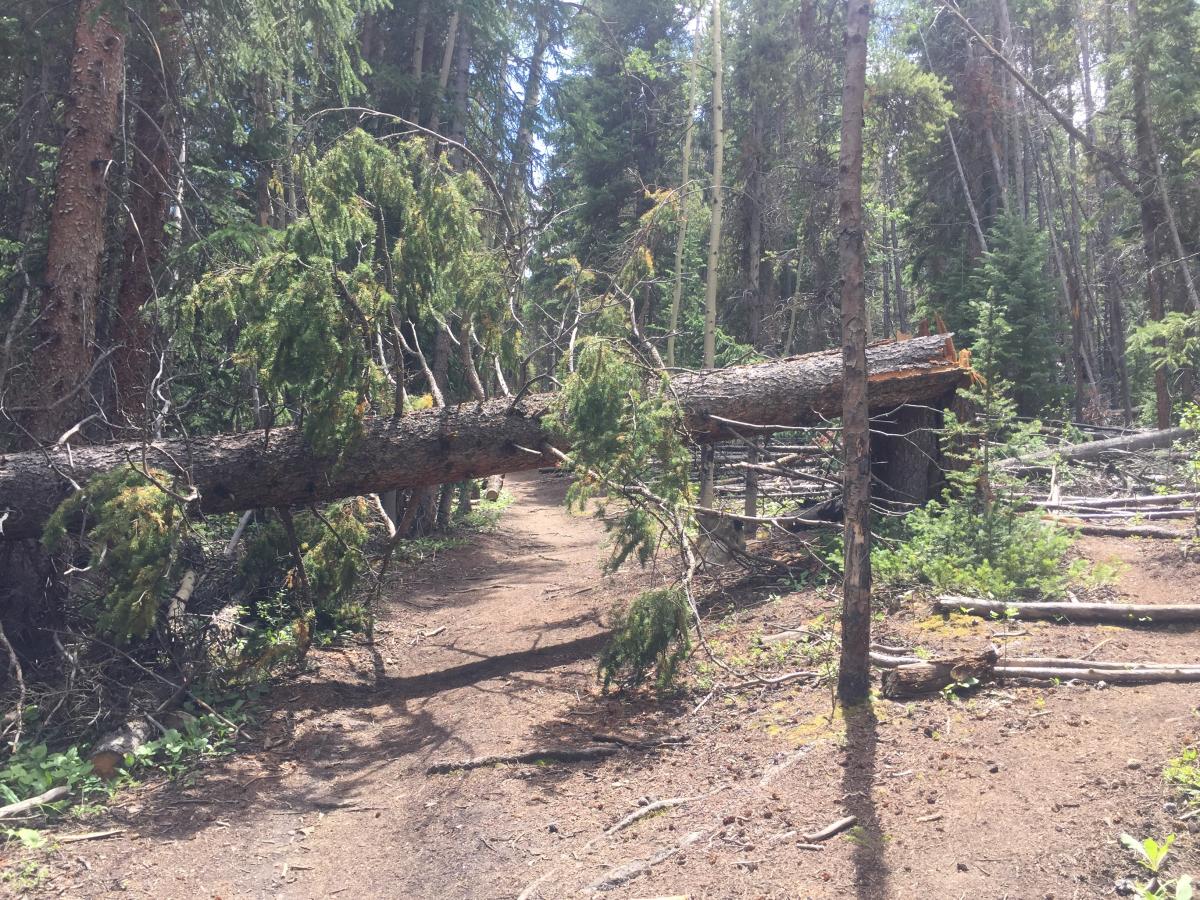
column 648, row 810
column 1118, row 502
column 566, row 754
column 831, row 830
column 927, row 676
column 1113, row 613
column 1156, row 532
column 233, row 472
column 626, row 872
column 1145, row 440
column 22, row 806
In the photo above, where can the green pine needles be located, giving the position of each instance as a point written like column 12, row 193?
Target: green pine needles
column 626, row 433
column 133, row 528
column 652, row 634
column 626, row 430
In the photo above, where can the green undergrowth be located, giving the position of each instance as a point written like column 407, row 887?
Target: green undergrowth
column 178, row 750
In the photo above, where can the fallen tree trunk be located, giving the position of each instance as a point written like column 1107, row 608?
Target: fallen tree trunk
column 234, row 472
column 1114, row 613
column 1145, row 440
column 1146, row 531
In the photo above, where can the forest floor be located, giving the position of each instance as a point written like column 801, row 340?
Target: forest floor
column 1018, row 791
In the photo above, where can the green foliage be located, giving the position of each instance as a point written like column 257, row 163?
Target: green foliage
column 1150, row 854
column 622, row 426
column 951, row 546
column 975, row 540
column 1184, row 773
column 387, row 227
column 1011, row 303
column 133, row 528
column 651, row 634
column 332, row 554
column 35, row 769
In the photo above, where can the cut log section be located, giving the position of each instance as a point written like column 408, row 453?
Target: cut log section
column 1111, row 613
column 235, row 472
column 109, row 753
column 495, row 484
column 932, row 675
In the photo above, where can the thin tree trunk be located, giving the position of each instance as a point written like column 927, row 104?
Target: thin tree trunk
column 1152, row 215
column 417, row 63
column 435, row 118
column 156, row 146
column 707, row 465
column 518, row 170
column 684, row 178
column 67, row 326
column 854, row 676
column 462, row 87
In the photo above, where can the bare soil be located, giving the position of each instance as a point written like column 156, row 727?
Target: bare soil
column 1017, row 792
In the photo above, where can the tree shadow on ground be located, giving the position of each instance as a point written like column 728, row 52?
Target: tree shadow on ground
column 858, row 787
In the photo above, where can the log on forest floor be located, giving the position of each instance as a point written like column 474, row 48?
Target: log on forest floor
column 233, row 472
column 1111, row 613
column 1144, row 440
column 931, row 675
column 1156, row 532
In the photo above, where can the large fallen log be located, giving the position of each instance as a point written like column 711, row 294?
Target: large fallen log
column 233, row 472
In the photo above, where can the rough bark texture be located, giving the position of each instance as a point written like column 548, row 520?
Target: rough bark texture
column 855, row 672
column 244, row 471
column 67, row 327
column 935, row 674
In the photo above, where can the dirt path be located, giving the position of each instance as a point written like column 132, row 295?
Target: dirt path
column 1018, row 792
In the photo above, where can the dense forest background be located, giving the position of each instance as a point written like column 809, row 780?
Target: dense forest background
column 242, row 214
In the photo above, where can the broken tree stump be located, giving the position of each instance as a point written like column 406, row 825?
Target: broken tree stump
column 934, row 674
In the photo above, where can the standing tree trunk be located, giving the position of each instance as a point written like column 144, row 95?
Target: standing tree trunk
column 435, row 118
column 67, row 328
column 854, row 676
column 156, row 136
column 1152, row 214
column 417, row 63
column 518, row 170
column 714, row 240
column 685, row 176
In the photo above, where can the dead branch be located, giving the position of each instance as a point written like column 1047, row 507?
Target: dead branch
column 831, row 830
column 22, row 806
column 560, row 754
column 648, row 810
column 1114, row 613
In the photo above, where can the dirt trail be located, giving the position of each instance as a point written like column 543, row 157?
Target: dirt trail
column 1017, row 792
column 334, row 797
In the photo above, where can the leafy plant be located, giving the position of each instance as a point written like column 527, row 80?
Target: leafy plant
column 1184, row 772
column 1150, row 854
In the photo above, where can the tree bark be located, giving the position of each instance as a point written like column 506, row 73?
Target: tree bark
column 854, row 676
column 156, row 137
column 932, row 675
column 67, row 327
column 249, row 470
column 684, row 178
column 707, row 463
column 518, row 171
